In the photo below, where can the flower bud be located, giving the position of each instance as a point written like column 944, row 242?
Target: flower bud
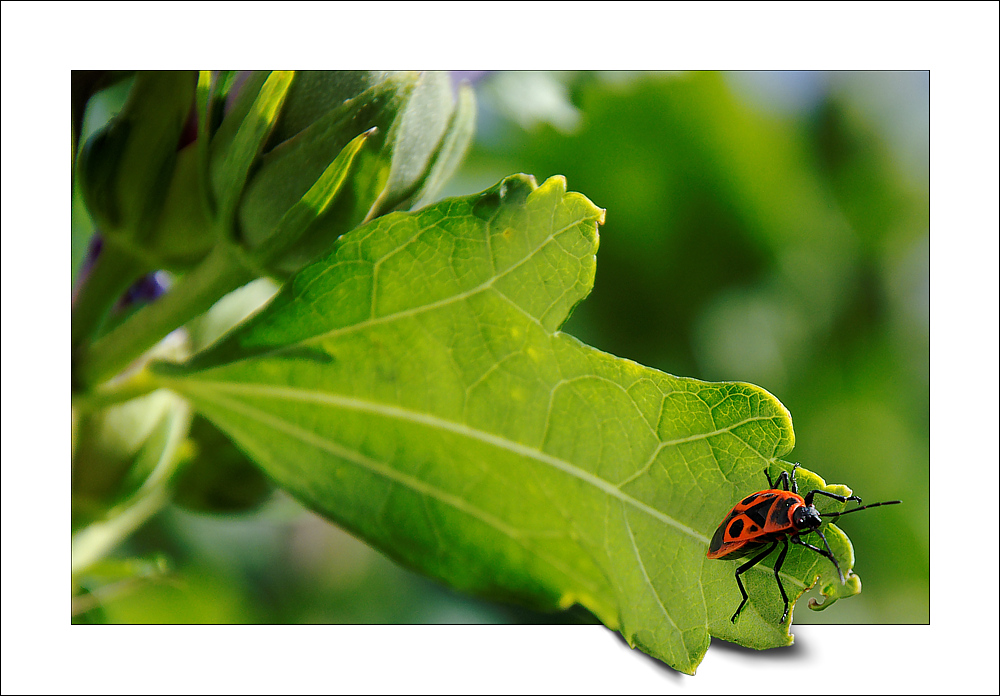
column 297, row 160
column 419, row 130
column 126, row 168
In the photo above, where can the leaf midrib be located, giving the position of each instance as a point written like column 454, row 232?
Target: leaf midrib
column 206, row 388
column 416, row 484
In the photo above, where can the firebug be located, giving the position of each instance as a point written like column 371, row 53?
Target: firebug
column 773, row 516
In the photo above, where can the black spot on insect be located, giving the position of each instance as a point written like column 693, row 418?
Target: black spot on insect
column 779, row 515
column 758, row 512
column 735, row 529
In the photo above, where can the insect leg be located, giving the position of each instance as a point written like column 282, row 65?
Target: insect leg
column 783, row 480
column 827, row 553
column 841, row 498
column 777, row 569
column 795, row 484
column 745, row 567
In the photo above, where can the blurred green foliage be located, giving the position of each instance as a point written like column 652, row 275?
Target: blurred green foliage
column 768, row 228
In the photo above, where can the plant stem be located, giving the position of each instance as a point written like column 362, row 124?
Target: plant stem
column 138, row 384
column 219, row 273
column 113, row 273
column 96, row 541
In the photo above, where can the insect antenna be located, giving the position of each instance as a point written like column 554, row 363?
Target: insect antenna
column 863, row 507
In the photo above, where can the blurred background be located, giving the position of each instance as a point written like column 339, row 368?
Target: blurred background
column 762, row 227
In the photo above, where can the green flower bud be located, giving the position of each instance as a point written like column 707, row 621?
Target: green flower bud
column 274, row 154
column 126, row 168
column 418, row 141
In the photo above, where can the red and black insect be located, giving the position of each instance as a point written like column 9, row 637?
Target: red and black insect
column 768, row 517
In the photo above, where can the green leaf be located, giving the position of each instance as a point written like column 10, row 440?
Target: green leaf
column 205, row 103
column 413, row 387
column 216, row 108
column 232, row 118
column 297, row 219
column 232, row 157
column 315, row 93
column 288, row 171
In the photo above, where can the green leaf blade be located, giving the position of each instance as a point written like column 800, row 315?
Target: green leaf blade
column 234, row 152
column 413, row 387
column 296, row 220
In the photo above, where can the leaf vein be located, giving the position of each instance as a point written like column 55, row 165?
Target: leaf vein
column 444, row 302
column 396, row 477
column 396, row 412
